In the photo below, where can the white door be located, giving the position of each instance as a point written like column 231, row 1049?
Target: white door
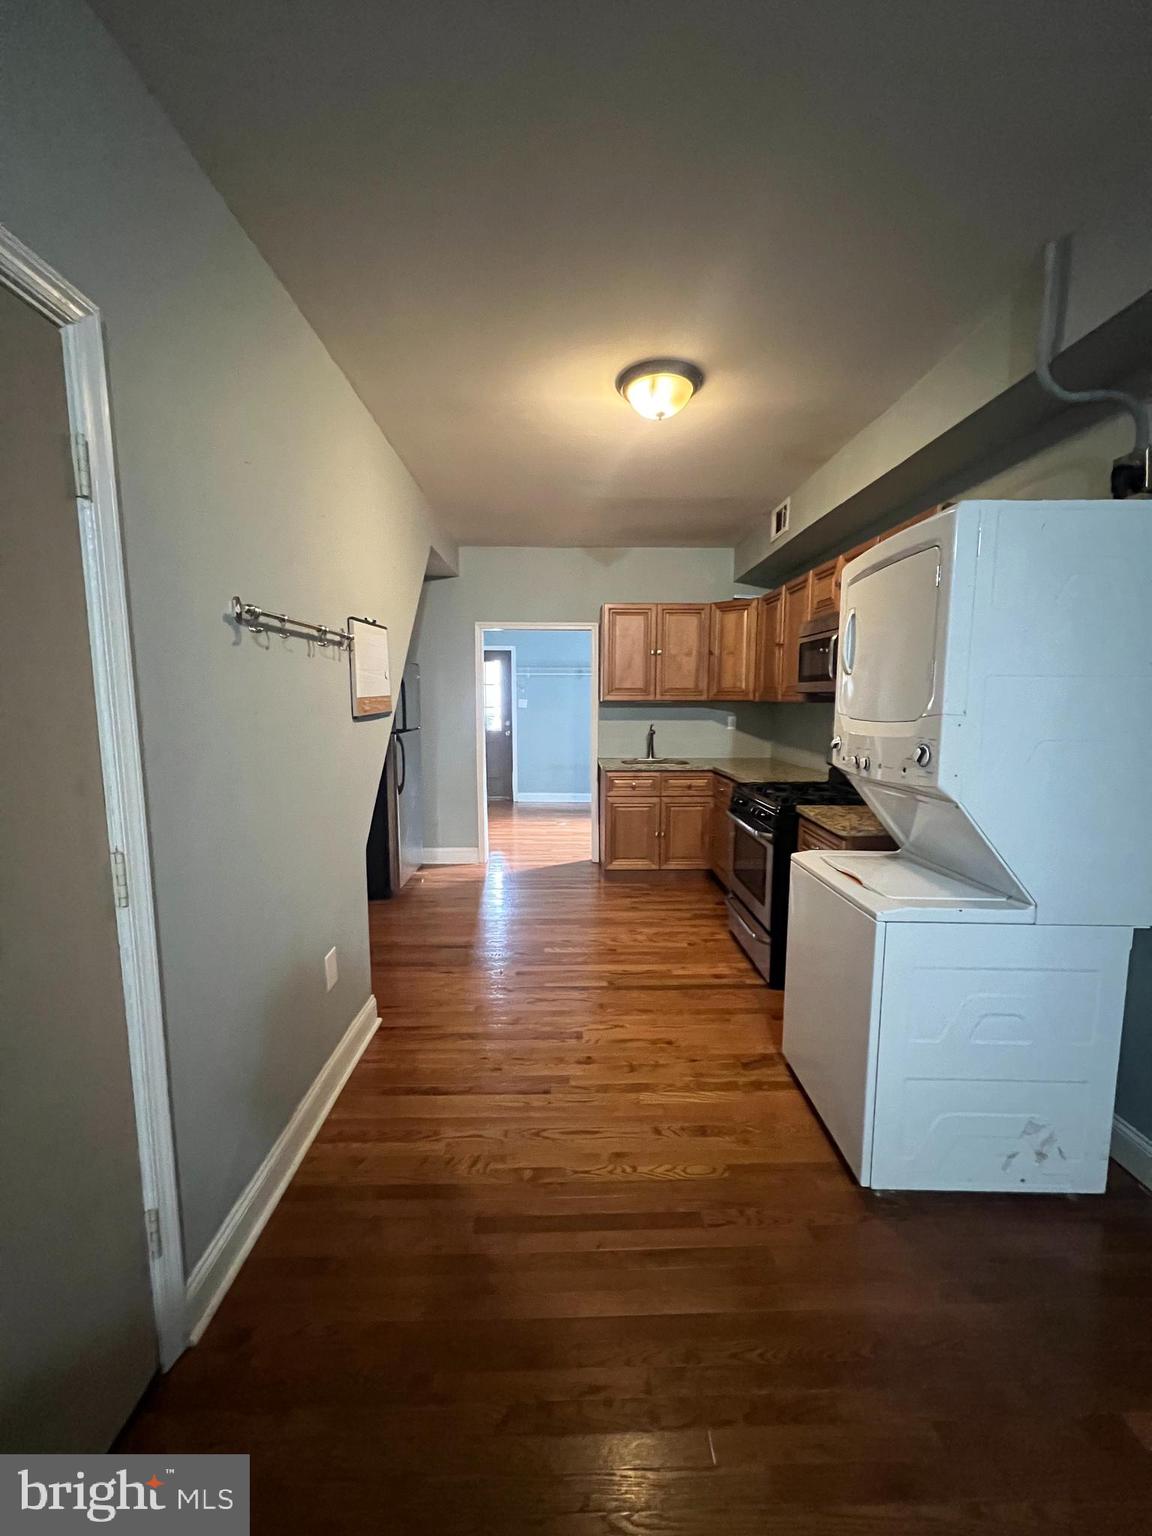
column 831, row 1011
column 888, row 655
column 79, row 1342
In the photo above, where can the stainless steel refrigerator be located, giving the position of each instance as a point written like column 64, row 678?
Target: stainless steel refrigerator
column 396, row 840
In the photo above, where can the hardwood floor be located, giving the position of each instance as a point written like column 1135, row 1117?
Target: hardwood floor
column 537, row 836
column 572, row 1256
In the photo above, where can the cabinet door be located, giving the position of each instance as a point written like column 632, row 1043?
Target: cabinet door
column 631, row 834
column 721, row 841
column 682, row 634
column 793, row 618
column 768, row 645
column 809, row 835
column 686, row 834
column 628, row 651
column 734, row 649
column 822, row 589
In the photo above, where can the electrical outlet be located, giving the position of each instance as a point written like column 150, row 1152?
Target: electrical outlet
column 331, row 970
column 731, row 723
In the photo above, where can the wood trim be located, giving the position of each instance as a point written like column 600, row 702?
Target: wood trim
column 220, row 1263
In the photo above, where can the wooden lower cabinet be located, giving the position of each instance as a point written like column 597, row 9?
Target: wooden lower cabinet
column 668, row 827
column 686, row 834
column 722, row 833
column 809, row 835
column 630, row 833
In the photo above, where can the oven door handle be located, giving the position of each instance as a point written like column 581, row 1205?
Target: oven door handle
column 764, row 838
column 751, row 932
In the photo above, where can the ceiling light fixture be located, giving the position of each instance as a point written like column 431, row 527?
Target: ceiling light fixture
column 659, row 386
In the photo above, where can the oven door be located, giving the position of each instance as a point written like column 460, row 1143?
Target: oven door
column 752, row 852
column 816, row 664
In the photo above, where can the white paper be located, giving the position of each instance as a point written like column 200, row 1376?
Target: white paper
column 371, row 677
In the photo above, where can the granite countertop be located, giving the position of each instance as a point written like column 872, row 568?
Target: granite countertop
column 844, row 820
column 741, row 770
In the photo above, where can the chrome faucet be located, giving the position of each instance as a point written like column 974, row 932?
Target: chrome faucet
column 650, row 745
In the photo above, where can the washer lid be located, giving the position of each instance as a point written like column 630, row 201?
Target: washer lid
column 896, row 888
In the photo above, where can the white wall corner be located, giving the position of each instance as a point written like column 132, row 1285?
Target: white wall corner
column 452, row 856
column 220, row 1264
column 1132, row 1150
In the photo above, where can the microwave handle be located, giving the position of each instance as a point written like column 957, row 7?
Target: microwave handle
column 848, row 652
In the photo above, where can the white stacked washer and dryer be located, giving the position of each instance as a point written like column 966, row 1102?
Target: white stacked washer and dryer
column 953, row 1010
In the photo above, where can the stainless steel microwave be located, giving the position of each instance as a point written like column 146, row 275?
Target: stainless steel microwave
column 816, row 656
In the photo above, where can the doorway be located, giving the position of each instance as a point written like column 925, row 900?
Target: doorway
column 536, row 719
column 93, row 1292
column 500, row 721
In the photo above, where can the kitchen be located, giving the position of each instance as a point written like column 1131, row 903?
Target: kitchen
column 974, row 1044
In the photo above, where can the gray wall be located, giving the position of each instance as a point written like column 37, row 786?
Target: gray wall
column 553, row 709
column 505, row 584
column 248, row 465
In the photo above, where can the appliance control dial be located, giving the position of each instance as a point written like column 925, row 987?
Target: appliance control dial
column 865, row 762
column 922, row 755
column 835, row 744
column 855, row 759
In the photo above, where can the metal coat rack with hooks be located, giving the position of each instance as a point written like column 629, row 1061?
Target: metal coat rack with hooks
column 263, row 621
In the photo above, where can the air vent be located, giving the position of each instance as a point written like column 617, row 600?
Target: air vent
column 778, row 522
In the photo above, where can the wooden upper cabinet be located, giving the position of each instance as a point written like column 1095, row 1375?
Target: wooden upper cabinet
column 823, row 593
column 628, row 651
column 793, row 618
column 682, row 639
column 734, row 656
column 910, row 522
column 768, row 638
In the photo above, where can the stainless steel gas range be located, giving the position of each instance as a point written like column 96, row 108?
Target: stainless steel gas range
column 764, row 824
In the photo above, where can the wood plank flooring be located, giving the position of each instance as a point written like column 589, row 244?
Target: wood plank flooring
column 572, row 1256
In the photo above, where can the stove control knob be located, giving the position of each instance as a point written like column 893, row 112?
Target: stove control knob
column 835, row 744
column 922, row 755
column 865, row 762
column 855, row 759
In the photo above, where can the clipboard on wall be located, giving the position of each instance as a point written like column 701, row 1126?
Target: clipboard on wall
column 369, row 669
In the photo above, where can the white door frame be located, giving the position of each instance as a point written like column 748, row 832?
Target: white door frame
column 97, row 509
column 512, row 708
column 593, row 629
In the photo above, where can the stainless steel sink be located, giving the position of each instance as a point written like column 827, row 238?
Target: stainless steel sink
column 657, row 762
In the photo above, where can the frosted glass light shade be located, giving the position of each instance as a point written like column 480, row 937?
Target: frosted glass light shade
column 660, row 387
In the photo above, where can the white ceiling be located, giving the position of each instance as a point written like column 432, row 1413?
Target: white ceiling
column 487, row 207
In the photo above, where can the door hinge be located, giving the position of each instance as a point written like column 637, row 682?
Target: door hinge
column 82, row 467
column 119, row 877
column 152, row 1226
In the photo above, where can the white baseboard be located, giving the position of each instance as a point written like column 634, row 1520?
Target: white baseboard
column 209, row 1281
column 531, row 797
column 452, row 856
column 1132, row 1150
